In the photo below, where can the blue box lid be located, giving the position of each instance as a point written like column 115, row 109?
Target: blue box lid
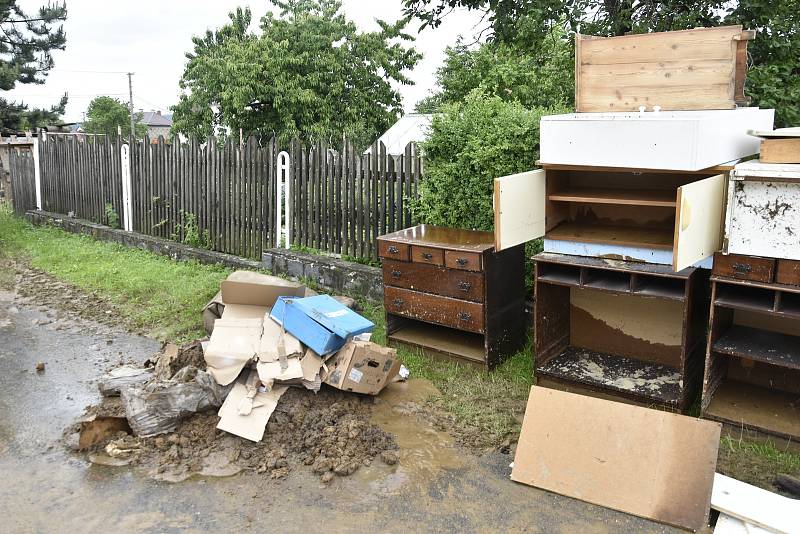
column 333, row 315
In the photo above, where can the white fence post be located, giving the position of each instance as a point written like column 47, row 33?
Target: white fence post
column 37, row 173
column 127, row 201
column 284, row 184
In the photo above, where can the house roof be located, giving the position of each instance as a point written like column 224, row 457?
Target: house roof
column 155, row 118
column 412, row 127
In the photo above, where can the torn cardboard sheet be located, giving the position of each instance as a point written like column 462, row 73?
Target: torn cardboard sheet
column 233, row 343
column 252, row 425
column 276, row 342
column 312, row 364
column 244, row 311
column 256, row 289
column 278, row 370
column 645, row 462
column 362, row 367
column 212, row 311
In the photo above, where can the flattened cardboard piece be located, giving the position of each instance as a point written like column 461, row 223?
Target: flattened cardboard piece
column 268, row 372
column 312, row 363
column 233, row 344
column 244, row 311
column 256, row 289
column 212, row 311
column 362, row 367
column 755, row 506
column 276, row 342
column 249, row 426
column 644, row 462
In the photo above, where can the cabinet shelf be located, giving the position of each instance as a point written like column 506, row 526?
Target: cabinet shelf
column 760, row 345
column 630, row 197
column 633, row 236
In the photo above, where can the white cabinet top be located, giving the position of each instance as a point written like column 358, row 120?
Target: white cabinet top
column 756, row 169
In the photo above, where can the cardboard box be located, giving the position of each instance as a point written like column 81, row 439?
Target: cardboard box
column 320, row 322
column 644, row 462
column 256, row 289
column 362, row 367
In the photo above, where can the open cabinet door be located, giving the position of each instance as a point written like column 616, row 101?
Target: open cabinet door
column 519, row 208
column 698, row 221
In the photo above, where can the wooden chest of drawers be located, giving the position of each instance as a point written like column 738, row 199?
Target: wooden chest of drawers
column 448, row 292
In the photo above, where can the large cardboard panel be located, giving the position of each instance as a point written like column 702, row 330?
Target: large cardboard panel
column 519, row 208
column 252, row 425
column 698, row 221
column 645, row 462
column 233, row 343
column 256, row 289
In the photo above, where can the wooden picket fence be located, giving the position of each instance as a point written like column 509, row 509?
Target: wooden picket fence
column 23, row 184
column 223, row 196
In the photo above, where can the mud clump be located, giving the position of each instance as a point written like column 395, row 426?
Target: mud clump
column 329, row 432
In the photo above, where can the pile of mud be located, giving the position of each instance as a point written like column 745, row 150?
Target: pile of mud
column 330, row 432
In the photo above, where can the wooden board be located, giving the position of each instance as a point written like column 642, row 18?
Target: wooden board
column 441, row 339
column 755, row 505
column 759, row 408
column 633, row 236
column 744, row 267
column 760, row 345
column 730, row 525
column 698, row 221
column 633, row 197
column 519, row 208
column 780, row 150
column 644, row 462
column 680, row 70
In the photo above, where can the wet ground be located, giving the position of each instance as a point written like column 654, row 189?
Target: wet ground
column 45, row 488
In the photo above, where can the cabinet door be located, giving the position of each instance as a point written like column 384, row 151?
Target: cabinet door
column 519, row 208
column 698, row 221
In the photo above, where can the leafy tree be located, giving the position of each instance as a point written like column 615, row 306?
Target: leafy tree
column 307, row 73
column 774, row 79
column 25, row 57
column 106, row 114
column 535, row 78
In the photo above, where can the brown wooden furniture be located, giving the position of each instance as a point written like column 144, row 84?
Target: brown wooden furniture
column 752, row 370
column 743, row 267
column 622, row 330
column 788, row 272
column 446, row 291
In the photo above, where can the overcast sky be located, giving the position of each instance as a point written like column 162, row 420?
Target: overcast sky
column 150, row 38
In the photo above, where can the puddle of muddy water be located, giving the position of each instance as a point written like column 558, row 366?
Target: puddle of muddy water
column 424, row 450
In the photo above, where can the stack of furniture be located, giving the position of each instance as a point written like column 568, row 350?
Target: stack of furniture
column 630, row 204
column 752, row 368
column 448, row 292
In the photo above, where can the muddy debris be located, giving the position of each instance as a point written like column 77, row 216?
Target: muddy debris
column 40, row 367
column 330, row 432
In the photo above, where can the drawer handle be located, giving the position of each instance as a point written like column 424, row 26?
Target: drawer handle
column 464, row 286
column 742, row 268
column 398, row 302
column 464, row 316
column 427, row 255
column 462, row 261
column 396, row 274
column 393, row 250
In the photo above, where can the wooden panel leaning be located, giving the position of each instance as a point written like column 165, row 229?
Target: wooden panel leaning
column 619, row 330
column 702, row 68
column 449, row 293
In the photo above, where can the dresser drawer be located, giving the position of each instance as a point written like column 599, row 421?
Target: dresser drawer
column 744, row 267
column 394, row 251
column 429, row 255
column 457, row 284
column 468, row 261
column 446, row 311
column 788, row 272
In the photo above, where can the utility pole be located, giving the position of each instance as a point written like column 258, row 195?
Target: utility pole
column 130, row 93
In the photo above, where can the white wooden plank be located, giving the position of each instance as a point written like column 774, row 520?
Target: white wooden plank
column 519, row 208
column 698, row 221
column 730, row 525
column 754, row 505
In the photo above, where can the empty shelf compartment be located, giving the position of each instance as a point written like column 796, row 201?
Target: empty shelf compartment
column 742, row 297
column 441, row 339
column 659, row 286
column 790, row 304
column 760, row 345
column 633, row 236
column 608, row 280
column 626, row 376
column 604, row 195
column 561, row 274
column 755, row 407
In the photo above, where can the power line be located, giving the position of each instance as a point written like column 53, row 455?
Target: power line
column 89, row 71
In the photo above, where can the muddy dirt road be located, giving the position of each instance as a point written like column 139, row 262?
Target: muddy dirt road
column 45, row 488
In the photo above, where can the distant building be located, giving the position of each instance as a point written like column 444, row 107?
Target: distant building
column 410, row 128
column 157, row 124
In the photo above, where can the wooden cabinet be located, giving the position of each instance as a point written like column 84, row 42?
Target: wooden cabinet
column 744, row 267
column 763, row 214
column 752, row 366
column 658, row 217
column 619, row 330
column 448, row 292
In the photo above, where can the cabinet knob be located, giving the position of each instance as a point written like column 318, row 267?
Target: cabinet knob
column 393, row 250
column 464, row 316
column 464, row 286
column 396, row 274
column 427, row 255
column 462, row 261
column 398, row 302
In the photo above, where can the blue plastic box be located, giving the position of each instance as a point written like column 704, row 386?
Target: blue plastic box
column 321, row 322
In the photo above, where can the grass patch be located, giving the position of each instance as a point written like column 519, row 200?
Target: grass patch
column 160, row 296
